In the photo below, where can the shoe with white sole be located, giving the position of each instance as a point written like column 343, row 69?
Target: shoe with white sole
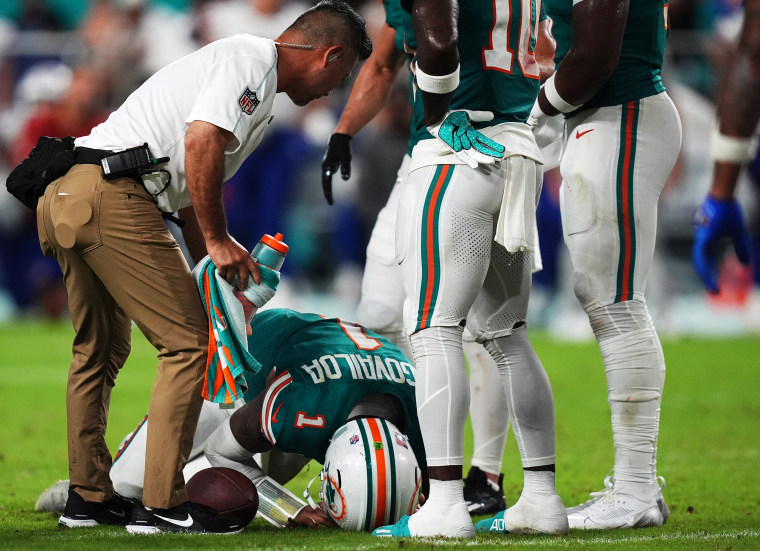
column 537, row 515
column 609, row 482
column 530, row 515
column 79, row 513
column 189, row 517
column 53, row 500
column 661, row 500
column 615, row 509
column 454, row 522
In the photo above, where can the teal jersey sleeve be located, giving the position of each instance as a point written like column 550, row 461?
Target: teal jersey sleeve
column 397, row 19
column 498, row 71
column 642, row 53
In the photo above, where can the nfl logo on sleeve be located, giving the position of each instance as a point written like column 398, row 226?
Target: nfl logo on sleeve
column 248, row 101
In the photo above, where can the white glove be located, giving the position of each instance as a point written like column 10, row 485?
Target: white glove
column 536, row 117
column 547, row 130
column 469, row 145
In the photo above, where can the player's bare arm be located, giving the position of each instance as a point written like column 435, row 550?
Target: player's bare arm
column 435, row 25
column 246, row 426
column 738, row 108
column 373, row 84
column 598, row 27
column 204, row 168
column 368, row 96
column 546, row 47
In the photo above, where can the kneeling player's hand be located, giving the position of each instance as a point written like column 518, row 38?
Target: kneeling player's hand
column 310, row 517
column 467, row 143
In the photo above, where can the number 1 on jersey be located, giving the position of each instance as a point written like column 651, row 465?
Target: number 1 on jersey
column 356, row 333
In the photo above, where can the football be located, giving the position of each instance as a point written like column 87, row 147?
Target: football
column 227, row 491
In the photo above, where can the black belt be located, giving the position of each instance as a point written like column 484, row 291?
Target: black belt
column 88, row 156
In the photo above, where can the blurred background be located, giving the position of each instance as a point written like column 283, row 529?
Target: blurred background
column 66, row 64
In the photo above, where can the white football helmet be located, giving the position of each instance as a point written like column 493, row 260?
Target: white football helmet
column 370, row 477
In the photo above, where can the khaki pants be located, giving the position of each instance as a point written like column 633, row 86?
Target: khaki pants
column 120, row 263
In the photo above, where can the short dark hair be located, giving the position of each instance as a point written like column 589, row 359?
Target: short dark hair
column 332, row 21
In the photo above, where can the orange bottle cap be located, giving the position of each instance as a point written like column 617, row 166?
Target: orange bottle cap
column 275, row 242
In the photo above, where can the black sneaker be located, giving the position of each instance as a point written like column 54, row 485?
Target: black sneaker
column 481, row 496
column 189, row 517
column 79, row 513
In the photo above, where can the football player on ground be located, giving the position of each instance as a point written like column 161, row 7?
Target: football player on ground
column 460, row 180
column 622, row 137
column 720, row 215
column 318, row 373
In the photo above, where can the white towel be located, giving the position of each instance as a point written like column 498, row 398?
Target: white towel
column 516, row 229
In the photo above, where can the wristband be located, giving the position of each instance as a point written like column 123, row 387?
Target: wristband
column 553, row 97
column 731, row 149
column 436, row 84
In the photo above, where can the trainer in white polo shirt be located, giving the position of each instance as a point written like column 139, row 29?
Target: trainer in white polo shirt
column 229, row 83
column 206, row 112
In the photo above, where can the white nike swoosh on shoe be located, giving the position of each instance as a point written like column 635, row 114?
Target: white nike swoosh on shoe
column 187, row 523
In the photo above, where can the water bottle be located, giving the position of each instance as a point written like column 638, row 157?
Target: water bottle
column 270, row 251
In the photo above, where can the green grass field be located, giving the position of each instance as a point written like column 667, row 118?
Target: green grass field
column 709, row 449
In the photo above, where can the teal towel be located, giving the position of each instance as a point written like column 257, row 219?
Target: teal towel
column 226, row 307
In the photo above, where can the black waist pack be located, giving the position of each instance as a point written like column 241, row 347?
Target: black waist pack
column 50, row 159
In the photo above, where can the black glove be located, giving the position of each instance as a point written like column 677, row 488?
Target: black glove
column 338, row 154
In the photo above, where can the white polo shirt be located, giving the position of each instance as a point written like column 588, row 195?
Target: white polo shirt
column 230, row 83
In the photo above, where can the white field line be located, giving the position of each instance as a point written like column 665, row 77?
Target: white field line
column 566, row 541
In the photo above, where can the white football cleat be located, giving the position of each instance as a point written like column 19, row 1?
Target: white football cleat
column 661, row 500
column 53, row 499
column 536, row 515
column 595, row 496
column 615, row 509
column 609, row 482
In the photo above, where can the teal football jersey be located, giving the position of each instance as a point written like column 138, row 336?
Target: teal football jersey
column 323, row 366
column 498, row 71
column 637, row 74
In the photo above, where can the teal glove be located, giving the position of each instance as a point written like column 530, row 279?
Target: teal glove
column 469, row 145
